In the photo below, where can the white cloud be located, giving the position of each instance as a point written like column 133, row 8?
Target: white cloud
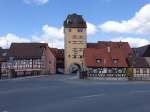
column 6, row 40
column 53, row 32
column 139, row 24
column 55, row 37
column 91, row 29
column 37, row 2
column 52, row 35
column 134, row 42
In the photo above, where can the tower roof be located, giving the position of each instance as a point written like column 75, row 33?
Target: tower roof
column 75, row 21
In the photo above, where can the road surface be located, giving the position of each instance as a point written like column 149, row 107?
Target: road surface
column 66, row 94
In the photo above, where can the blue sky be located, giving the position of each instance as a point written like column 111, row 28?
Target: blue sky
column 42, row 20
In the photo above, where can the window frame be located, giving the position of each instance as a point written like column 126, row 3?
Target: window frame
column 145, row 71
column 115, row 61
column 100, row 61
column 137, row 70
column 80, row 30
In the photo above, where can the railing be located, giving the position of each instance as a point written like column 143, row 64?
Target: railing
column 105, row 75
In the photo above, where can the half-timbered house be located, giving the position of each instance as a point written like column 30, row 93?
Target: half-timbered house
column 30, row 59
column 107, row 59
column 140, row 66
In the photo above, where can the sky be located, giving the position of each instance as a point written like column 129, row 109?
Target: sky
column 42, row 20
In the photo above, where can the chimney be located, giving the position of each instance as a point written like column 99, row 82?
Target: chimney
column 108, row 49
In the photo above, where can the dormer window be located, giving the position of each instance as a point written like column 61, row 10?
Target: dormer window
column 115, row 61
column 69, row 21
column 99, row 61
column 120, row 45
column 4, row 54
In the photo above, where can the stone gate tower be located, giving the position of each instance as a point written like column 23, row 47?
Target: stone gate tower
column 74, row 43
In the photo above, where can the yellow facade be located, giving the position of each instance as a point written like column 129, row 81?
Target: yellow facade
column 74, row 44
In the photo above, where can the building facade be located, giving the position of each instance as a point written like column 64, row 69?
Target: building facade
column 143, row 51
column 29, row 59
column 140, row 67
column 75, row 41
column 4, row 54
column 59, row 55
column 107, row 59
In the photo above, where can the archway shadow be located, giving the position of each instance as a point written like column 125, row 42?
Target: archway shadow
column 74, row 69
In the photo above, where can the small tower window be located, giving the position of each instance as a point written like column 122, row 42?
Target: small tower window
column 69, row 29
column 81, row 56
column 80, row 30
column 74, row 36
column 80, row 36
column 74, row 56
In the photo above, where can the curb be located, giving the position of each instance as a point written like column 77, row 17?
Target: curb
column 22, row 78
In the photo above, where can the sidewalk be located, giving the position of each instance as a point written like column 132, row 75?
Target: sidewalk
column 25, row 77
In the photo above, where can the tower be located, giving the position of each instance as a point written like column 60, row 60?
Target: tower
column 74, row 43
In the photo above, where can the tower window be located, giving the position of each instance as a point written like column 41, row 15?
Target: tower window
column 80, row 30
column 81, row 56
column 80, row 36
column 74, row 36
column 69, row 29
column 74, row 56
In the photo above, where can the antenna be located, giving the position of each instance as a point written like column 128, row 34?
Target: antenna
column 7, row 44
column 52, row 43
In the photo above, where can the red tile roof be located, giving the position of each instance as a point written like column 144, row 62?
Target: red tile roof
column 58, row 53
column 27, row 50
column 138, row 62
column 118, row 50
column 91, row 54
column 54, row 51
column 104, row 44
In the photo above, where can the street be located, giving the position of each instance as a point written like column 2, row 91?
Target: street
column 66, row 94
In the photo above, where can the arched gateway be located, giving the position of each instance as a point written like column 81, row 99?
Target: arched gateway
column 74, row 68
column 75, row 42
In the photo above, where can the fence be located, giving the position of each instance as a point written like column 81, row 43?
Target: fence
column 117, row 77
